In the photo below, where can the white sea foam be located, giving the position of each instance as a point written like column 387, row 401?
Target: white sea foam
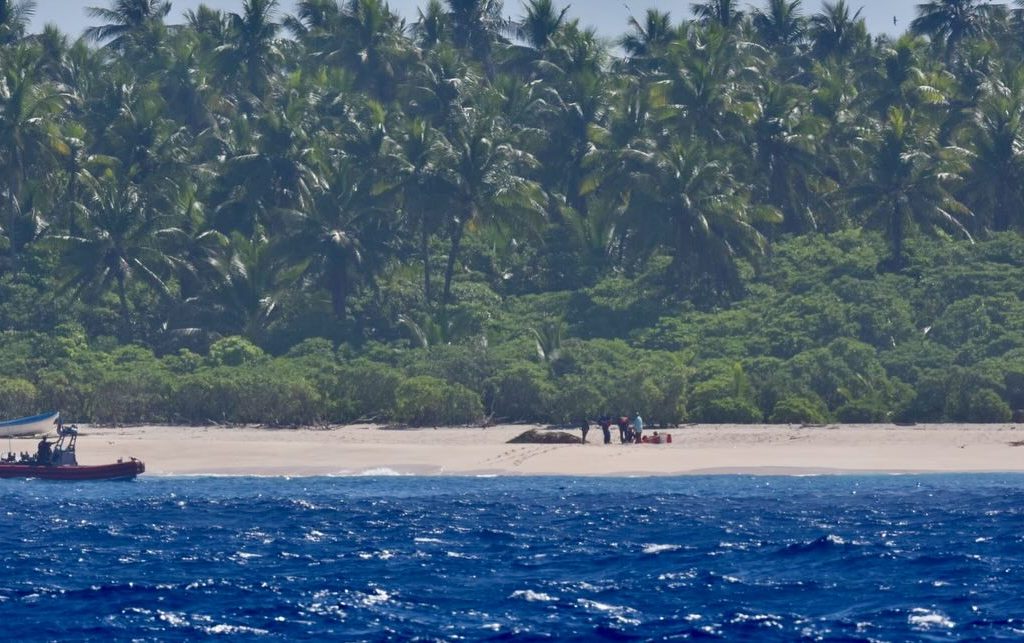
column 620, row 613
column 224, row 628
column 384, row 554
column 765, row 620
column 420, row 539
column 378, row 472
column 927, row 619
column 174, row 619
column 532, row 596
column 376, row 598
column 657, row 549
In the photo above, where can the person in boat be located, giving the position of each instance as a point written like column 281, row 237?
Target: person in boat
column 638, row 427
column 44, row 453
column 606, row 423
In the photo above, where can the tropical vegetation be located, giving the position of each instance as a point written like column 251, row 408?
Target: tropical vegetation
column 741, row 215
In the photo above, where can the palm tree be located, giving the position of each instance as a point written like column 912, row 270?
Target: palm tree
column 648, row 43
column 685, row 200
column 484, row 177
column 270, row 173
column 246, row 299
column 785, row 139
column 15, row 16
column 251, row 54
column 949, row 23
column 781, row 26
column 993, row 183
column 121, row 243
column 476, row 27
column 431, row 28
column 703, row 82
column 421, row 147
column 907, row 184
column 326, row 245
column 30, row 140
column 541, row 23
column 363, row 36
column 836, row 33
column 127, row 21
column 718, row 12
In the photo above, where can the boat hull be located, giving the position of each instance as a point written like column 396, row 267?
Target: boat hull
column 115, row 471
column 34, row 425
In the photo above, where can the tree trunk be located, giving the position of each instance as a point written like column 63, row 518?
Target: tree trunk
column 453, row 254
column 126, row 320
column 339, row 293
column 898, row 234
column 425, row 252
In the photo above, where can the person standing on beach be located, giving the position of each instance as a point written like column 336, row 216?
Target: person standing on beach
column 606, row 424
column 623, row 429
column 638, row 428
column 585, row 428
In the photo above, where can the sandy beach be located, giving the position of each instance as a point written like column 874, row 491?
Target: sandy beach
column 696, row 449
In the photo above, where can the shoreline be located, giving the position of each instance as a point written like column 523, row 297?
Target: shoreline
column 360, row 450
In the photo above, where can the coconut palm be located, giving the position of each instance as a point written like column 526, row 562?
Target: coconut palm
column 270, row 171
column 791, row 177
column 122, row 243
column 647, row 43
column 251, row 55
column 15, row 16
column 690, row 203
column 540, row 25
column 949, row 23
column 31, row 141
column 723, row 13
column 127, row 21
column 484, row 177
column 836, row 33
column 431, row 28
column 477, row 27
column 780, row 25
column 993, row 183
column 908, row 183
column 363, row 36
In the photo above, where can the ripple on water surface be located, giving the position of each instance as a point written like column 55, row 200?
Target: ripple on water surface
column 479, row 558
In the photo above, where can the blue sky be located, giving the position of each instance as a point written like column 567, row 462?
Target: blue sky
column 608, row 16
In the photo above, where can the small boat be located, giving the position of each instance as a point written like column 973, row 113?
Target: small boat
column 32, row 425
column 57, row 461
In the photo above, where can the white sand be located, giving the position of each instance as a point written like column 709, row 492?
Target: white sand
column 174, row 450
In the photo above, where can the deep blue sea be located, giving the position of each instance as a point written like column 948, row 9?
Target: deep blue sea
column 410, row 558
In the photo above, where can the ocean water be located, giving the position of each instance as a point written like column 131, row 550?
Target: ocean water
column 409, row 558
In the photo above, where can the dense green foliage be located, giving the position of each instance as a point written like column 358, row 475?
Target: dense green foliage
column 743, row 217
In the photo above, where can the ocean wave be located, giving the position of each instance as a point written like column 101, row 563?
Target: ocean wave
column 925, row 619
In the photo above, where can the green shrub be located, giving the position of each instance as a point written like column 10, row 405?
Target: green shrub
column 864, row 411
column 985, row 405
column 18, row 398
column 520, row 392
column 727, row 410
column 366, row 390
column 574, row 399
column 234, row 351
column 272, row 396
column 798, row 410
column 125, row 397
column 425, row 400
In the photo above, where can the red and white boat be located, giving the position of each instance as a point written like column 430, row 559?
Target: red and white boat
column 57, row 461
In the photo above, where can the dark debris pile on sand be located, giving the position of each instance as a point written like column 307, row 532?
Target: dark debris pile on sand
column 533, row 436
